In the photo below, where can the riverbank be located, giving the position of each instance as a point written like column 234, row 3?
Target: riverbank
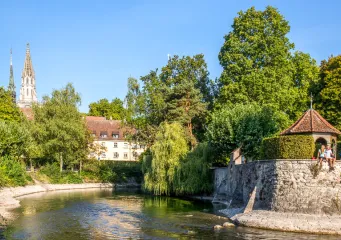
column 289, row 222
column 8, row 195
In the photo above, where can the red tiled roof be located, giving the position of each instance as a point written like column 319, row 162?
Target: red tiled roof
column 311, row 122
column 100, row 126
column 28, row 112
column 94, row 118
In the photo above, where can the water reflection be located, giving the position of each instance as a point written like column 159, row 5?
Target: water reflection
column 103, row 214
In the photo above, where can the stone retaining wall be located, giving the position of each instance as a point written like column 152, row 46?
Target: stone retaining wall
column 281, row 185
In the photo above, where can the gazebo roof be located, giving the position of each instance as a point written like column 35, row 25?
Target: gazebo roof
column 311, row 122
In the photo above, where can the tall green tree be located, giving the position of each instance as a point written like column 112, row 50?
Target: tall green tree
column 327, row 91
column 111, row 110
column 166, row 153
column 59, row 127
column 259, row 66
column 242, row 126
column 8, row 109
column 181, row 92
column 187, row 91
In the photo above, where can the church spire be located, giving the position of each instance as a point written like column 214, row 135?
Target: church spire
column 28, row 67
column 11, row 85
column 28, row 93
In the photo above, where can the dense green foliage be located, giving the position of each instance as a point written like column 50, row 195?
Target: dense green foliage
column 55, row 176
column 259, row 64
column 112, row 171
column 338, row 150
column 327, row 91
column 288, row 147
column 111, row 110
column 14, row 139
column 8, row 109
column 60, row 129
column 241, row 126
column 181, row 92
column 193, row 174
column 168, row 150
column 12, row 172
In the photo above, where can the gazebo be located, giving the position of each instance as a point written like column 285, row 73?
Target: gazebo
column 312, row 123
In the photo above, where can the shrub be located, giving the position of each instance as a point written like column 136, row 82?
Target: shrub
column 52, row 171
column 242, row 126
column 288, row 147
column 112, row 171
column 12, row 172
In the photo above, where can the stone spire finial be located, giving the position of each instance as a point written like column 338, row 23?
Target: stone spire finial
column 28, row 68
column 311, row 101
column 28, row 93
column 11, row 85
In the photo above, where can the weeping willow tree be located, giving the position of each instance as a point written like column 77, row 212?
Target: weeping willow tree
column 193, row 174
column 166, row 153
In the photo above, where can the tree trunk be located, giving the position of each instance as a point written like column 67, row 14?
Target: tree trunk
column 80, row 166
column 61, row 162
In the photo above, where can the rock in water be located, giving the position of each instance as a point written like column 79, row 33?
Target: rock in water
column 217, row 227
column 228, row 224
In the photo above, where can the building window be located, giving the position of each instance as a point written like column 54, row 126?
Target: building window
column 115, row 144
column 136, row 155
column 115, row 135
column 142, row 146
column 103, row 155
column 103, row 144
column 125, row 145
column 116, row 155
column 103, row 134
column 27, row 91
column 125, row 156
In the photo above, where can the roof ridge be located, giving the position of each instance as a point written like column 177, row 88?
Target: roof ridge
column 311, row 121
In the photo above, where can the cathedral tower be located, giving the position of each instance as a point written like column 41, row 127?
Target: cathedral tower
column 28, row 93
column 11, row 85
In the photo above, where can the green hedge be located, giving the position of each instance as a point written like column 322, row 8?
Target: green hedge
column 288, row 147
column 338, row 150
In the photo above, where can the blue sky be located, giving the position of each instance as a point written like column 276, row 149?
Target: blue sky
column 97, row 45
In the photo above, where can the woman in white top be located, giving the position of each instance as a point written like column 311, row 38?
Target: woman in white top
column 329, row 156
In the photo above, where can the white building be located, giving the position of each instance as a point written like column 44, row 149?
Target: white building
column 28, row 94
column 110, row 134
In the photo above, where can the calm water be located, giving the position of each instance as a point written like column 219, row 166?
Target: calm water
column 103, row 214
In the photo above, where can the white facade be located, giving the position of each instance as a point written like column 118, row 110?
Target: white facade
column 28, row 94
column 119, row 150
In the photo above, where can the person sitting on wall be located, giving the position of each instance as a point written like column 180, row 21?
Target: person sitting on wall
column 330, row 156
column 321, row 155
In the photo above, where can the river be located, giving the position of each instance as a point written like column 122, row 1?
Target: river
column 104, row 214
